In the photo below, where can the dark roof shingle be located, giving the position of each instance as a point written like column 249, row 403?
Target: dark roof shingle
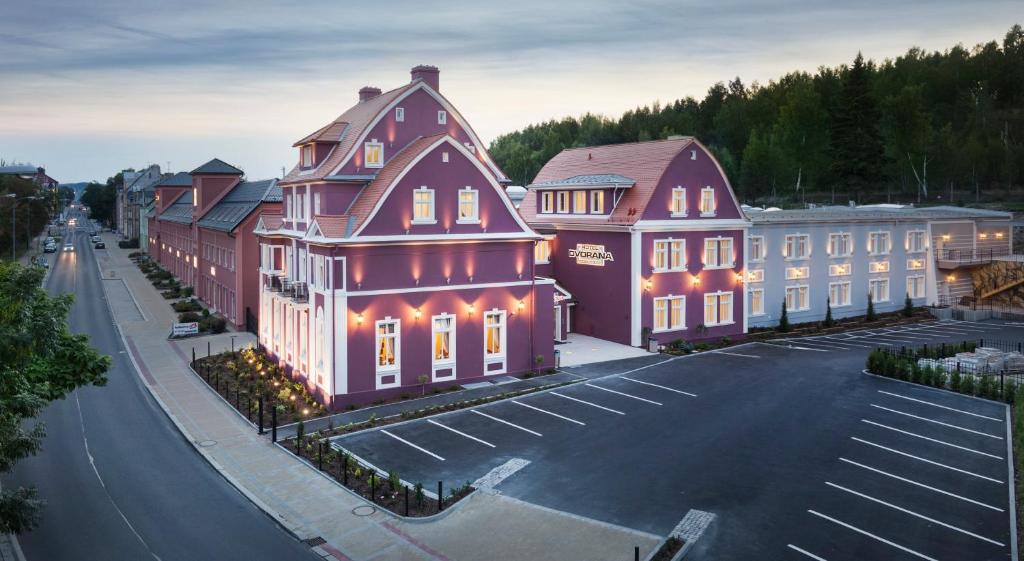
column 217, row 166
column 244, row 198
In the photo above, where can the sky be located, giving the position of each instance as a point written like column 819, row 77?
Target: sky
column 90, row 88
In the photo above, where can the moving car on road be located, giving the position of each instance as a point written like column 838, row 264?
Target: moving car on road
column 69, row 247
column 100, row 245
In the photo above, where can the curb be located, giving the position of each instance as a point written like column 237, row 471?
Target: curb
column 945, row 390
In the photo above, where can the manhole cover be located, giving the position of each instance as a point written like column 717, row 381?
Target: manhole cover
column 364, row 510
column 208, row 443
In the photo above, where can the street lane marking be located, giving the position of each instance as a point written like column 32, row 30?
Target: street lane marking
column 735, row 354
column 622, row 394
column 922, row 485
column 927, row 461
column 937, row 441
column 657, row 386
column 807, row 553
column 587, row 403
column 524, row 429
column 870, row 535
column 940, row 406
column 912, row 513
column 978, row 432
column 460, row 433
column 581, row 423
column 406, row 442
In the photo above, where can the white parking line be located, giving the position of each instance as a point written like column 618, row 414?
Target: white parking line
column 657, row 386
column 735, row 354
column 922, row 485
column 935, row 440
column 581, row 423
column 843, row 342
column 792, row 347
column 404, row 441
column 807, row 553
column 940, row 406
column 817, row 344
column 524, row 429
column 912, row 513
column 622, row 394
column 870, row 535
column 985, row 326
column 972, row 431
column 460, row 433
column 927, row 461
column 609, row 409
column 943, row 328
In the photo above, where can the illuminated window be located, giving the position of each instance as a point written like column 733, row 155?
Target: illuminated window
column 443, row 330
column 707, row 201
column 878, row 267
column 878, row 243
column 718, row 253
column 579, row 205
column 442, row 117
column 547, row 202
column 679, row 201
column 796, row 273
column 755, row 275
column 494, row 334
column 717, row 308
column 669, row 313
column 388, row 358
column 669, row 255
column 563, row 201
column 878, row 290
column 798, row 246
column 400, row 114
column 839, row 294
column 542, row 252
column 915, row 286
column 597, row 202
column 195, row 197
column 915, row 264
column 307, row 156
column 797, row 299
column 757, row 248
column 840, row 245
column 374, row 154
column 915, row 241
column 840, row 270
column 423, row 206
column 757, row 301
column 469, row 205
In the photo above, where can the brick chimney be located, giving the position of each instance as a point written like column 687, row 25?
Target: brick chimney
column 429, row 74
column 368, row 92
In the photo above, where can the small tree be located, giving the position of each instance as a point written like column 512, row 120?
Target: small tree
column 908, row 306
column 423, row 379
column 784, row 319
column 870, row 315
column 829, row 322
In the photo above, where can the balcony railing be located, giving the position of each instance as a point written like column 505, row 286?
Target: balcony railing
column 969, row 256
column 300, row 292
column 275, row 283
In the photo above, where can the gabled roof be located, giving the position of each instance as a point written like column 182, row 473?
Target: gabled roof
column 594, row 180
column 216, row 166
column 268, row 222
column 331, row 226
column 180, row 211
column 643, row 162
column 18, row 169
column 180, row 179
column 234, row 207
column 331, row 132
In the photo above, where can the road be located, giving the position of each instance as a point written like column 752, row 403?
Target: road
column 120, row 481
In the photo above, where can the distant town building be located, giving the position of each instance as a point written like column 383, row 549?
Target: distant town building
column 136, row 191
column 31, row 173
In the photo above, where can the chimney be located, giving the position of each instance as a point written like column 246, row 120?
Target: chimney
column 368, row 92
column 429, row 74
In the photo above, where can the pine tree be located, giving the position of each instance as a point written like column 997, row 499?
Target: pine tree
column 784, row 319
column 870, row 315
column 829, row 322
column 908, row 307
column 857, row 147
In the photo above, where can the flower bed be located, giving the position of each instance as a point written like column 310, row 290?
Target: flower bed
column 668, row 550
column 904, row 365
column 819, row 328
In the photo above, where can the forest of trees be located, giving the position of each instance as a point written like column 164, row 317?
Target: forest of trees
column 922, row 127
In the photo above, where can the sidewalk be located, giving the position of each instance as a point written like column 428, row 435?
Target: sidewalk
column 310, row 505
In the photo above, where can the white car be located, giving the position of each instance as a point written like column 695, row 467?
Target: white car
column 69, row 247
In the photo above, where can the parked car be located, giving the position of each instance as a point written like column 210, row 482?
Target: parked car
column 100, row 245
column 50, row 248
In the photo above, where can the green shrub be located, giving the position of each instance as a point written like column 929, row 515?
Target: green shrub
column 784, row 319
column 986, row 388
column 928, row 376
column 1009, row 391
column 915, row 373
column 187, row 306
column 968, row 385
column 955, row 381
column 908, row 306
column 394, row 480
column 941, row 379
column 188, row 317
column 187, row 291
column 870, row 315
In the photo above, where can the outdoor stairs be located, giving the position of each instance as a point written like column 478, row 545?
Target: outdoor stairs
column 1005, row 287
column 962, row 287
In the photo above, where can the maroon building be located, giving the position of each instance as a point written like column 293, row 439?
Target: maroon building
column 644, row 239
column 398, row 259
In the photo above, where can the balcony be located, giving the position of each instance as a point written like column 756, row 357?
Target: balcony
column 275, row 283
column 970, row 257
column 300, row 292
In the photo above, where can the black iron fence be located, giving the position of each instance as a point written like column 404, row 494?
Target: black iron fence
column 971, row 255
column 994, row 362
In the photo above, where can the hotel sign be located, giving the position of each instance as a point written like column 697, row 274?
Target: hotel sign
column 590, row 254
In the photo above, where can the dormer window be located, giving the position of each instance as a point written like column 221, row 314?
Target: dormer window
column 423, row 206
column 597, row 202
column 399, row 114
column 707, row 201
column 580, row 203
column 442, row 117
column 469, row 206
column 373, row 153
column 307, row 156
column 547, row 202
column 563, row 201
column 679, row 201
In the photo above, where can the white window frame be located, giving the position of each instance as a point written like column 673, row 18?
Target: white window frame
column 671, row 303
column 542, row 252
column 475, row 217
column 443, row 363
column 840, row 270
column 678, row 204
column 915, row 264
column 502, row 356
column 800, row 290
column 918, row 235
column 442, row 117
column 547, row 202
column 793, row 241
column 579, row 197
column 798, row 273
column 388, row 369
column 399, row 114
column 875, row 267
column 714, row 203
column 755, row 275
column 316, row 203
column 757, row 249
column 757, row 301
column 879, row 281
column 430, row 202
column 562, row 201
column 874, row 238
column 718, row 242
column 597, row 202
column 307, row 155
column 916, row 281
column 367, row 151
column 672, row 253
column 838, row 302
column 717, row 299
column 834, row 239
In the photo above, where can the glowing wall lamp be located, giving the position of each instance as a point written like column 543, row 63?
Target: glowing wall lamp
column 739, row 278
column 359, row 319
column 521, row 305
column 983, row 236
column 418, row 314
column 471, row 309
column 696, row 280
column 999, row 235
column 648, row 285
column 951, row 278
column 945, row 237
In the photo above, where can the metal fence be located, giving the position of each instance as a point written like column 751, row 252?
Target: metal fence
column 1005, row 364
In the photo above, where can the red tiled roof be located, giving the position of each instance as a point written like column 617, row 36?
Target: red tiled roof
column 272, row 221
column 368, row 197
column 332, row 226
column 645, row 162
column 347, row 128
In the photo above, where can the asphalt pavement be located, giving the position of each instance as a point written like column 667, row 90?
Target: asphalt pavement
column 120, row 481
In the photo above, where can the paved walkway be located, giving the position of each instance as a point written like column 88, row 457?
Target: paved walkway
column 582, row 349
column 308, row 504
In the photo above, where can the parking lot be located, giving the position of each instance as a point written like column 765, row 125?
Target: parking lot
column 798, row 453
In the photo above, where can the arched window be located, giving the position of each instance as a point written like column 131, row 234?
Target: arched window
column 321, row 340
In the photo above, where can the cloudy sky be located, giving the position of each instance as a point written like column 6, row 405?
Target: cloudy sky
column 88, row 88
